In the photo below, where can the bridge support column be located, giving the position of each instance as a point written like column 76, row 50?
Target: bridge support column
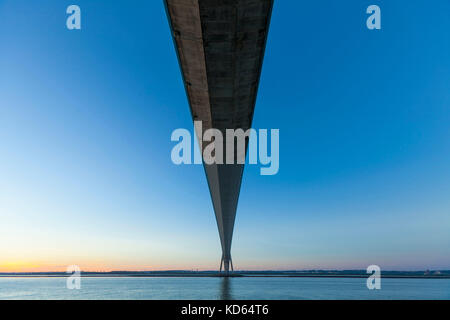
column 226, row 263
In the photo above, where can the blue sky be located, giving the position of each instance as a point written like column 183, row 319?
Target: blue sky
column 86, row 118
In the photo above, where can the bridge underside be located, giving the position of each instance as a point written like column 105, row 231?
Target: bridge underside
column 220, row 46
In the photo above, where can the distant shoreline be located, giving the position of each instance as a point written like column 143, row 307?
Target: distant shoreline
column 249, row 274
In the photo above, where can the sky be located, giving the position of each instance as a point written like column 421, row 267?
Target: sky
column 86, row 117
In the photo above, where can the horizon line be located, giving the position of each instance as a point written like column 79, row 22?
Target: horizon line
column 242, row 270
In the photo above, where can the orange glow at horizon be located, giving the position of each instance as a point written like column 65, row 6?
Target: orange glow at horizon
column 35, row 266
column 19, row 266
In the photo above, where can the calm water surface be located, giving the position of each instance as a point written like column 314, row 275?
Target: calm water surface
column 223, row 288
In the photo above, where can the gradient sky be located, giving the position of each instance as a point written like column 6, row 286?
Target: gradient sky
column 86, row 118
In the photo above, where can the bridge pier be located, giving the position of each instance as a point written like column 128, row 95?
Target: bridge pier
column 226, row 263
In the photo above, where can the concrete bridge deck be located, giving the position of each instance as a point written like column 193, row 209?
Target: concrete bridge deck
column 220, row 46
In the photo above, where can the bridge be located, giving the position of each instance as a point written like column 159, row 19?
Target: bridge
column 220, row 46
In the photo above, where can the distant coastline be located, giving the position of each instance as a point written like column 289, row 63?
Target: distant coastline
column 442, row 274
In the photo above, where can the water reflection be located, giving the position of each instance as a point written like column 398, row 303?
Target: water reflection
column 225, row 289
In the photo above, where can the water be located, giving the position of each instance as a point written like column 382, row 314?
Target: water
column 223, row 288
